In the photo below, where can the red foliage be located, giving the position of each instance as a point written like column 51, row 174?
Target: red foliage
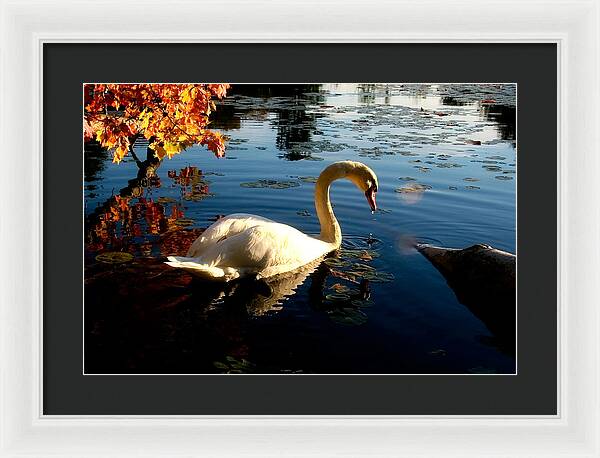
column 171, row 116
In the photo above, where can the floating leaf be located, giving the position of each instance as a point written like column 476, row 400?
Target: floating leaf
column 183, row 222
column 365, row 255
column 339, row 288
column 470, row 179
column 336, row 262
column 333, row 297
column 271, row 184
column 503, row 177
column 348, row 317
column 362, row 303
column 413, row 188
column 370, row 273
column 492, row 168
column 114, row 257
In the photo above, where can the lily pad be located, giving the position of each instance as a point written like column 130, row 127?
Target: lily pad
column 339, row 288
column 336, row 262
column 492, row 168
column 348, row 316
column 362, row 303
column 271, row 184
column 365, row 255
column 413, row 188
column 184, row 222
column 370, row 273
column 334, row 297
column 114, row 257
column 470, row 179
column 504, row 177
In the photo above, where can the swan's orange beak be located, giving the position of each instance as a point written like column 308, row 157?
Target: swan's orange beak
column 370, row 195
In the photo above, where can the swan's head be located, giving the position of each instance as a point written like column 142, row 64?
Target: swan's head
column 362, row 176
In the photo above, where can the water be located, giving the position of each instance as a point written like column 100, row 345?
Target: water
column 144, row 317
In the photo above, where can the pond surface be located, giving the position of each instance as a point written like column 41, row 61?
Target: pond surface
column 445, row 158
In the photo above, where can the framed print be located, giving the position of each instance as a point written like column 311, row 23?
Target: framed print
column 187, row 279
column 185, row 274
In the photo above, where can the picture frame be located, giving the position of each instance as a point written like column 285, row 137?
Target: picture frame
column 572, row 25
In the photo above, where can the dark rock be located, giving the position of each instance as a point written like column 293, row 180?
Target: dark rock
column 484, row 280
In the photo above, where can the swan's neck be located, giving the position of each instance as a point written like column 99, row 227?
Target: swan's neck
column 330, row 229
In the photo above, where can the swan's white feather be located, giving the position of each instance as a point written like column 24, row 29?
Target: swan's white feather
column 241, row 245
column 225, row 227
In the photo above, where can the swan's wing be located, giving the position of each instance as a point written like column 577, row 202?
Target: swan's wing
column 268, row 249
column 224, row 228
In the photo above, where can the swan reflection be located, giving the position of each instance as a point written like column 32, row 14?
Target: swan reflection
column 266, row 295
column 344, row 300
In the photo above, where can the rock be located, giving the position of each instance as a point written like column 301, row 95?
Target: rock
column 484, row 280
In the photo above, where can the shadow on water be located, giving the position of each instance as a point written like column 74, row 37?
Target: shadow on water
column 161, row 311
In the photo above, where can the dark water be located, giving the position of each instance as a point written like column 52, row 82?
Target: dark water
column 376, row 307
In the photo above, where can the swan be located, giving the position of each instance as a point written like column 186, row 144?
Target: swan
column 243, row 245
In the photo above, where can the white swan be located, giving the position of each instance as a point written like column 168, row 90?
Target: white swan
column 241, row 245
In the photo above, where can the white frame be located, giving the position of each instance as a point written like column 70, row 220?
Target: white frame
column 572, row 24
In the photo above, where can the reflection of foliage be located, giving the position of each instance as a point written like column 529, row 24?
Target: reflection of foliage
column 121, row 218
column 95, row 157
column 453, row 102
column 294, row 126
column 505, row 116
column 171, row 116
column 366, row 93
column 193, row 185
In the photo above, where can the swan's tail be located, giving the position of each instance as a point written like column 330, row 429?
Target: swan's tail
column 202, row 270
